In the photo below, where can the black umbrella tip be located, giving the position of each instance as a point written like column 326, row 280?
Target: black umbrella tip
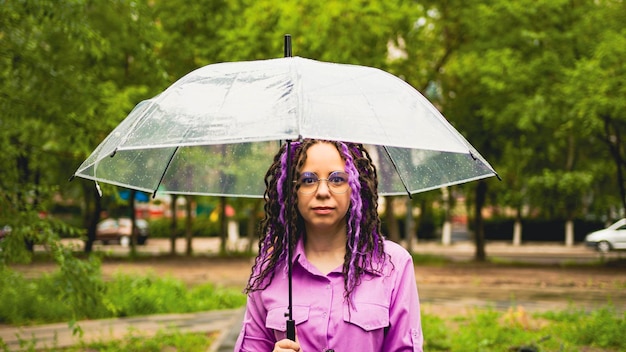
column 288, row 52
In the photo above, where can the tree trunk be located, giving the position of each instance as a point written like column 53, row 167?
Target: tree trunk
column 133, row 223
column 23, row 167
column 173, row 225
column 569, row 233
column 423, row 206
column 446, row 231
column 93, row 216
column 612, row 137
column 517, row 229
column 188, row 225
column 390, row 220
column 409, row 232
column 479, row 235
column 252, row 224
column 223, row 225
column 517, row 233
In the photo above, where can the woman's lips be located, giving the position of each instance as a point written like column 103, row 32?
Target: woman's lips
column 322, row 210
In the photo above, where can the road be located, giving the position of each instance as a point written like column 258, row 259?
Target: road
column 536, row 252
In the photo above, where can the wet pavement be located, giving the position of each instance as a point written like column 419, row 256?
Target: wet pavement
column 56, row 336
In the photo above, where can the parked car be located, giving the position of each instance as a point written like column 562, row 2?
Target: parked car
column 611, row 238
column 118, row 230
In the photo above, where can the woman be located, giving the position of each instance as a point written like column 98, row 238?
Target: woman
column 352, row 289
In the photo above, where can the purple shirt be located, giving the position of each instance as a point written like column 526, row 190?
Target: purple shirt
column 386, row 319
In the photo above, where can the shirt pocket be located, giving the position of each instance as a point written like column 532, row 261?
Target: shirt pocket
column 367, row 316
column 277, row 320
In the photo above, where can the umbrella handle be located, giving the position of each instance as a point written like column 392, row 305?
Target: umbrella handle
column 291, row 329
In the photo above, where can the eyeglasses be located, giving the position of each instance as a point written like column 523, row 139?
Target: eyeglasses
column 337, row 182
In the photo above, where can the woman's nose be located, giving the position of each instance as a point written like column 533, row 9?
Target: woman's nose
column 322, row 187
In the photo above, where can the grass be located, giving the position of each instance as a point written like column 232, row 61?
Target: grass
column 54, row 298
column 516, row 330
column 135, row 341
column 162, row 341
column 81, row 293
column 430, row 259
column 482, row 330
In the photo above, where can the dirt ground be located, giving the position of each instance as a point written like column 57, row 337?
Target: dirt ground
column 450, row 288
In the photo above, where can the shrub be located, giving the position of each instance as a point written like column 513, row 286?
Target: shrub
column 62, row 297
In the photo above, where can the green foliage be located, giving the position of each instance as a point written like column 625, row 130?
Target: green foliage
column 545, row 93
column 531, row 88
column 30, row 226
column 560, row 192
column 78, row 292
column 601, row 328
column 131, row 295
column 202, row 226
column 429, row 259
column 162, row 341
column 490, row 330
column 44, row 299
column 436, row 333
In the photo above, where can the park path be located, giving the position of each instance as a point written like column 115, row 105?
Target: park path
column 61, row 335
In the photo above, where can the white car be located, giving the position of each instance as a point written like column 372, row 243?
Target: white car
column 611, row 238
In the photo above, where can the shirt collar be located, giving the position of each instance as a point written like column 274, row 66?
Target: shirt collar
column 299, row 256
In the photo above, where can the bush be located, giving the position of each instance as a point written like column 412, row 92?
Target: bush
column 603, row 328
column 45, row 300
column 202, row 226
column 62, row 297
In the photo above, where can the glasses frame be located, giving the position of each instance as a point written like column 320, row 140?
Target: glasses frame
column 328, row 183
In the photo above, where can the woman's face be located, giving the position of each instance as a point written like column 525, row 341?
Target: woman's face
column 325, row 205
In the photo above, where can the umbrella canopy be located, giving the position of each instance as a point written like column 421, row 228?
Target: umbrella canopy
column 216, row 130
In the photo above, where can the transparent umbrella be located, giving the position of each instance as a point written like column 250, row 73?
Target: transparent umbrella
column 215, row 131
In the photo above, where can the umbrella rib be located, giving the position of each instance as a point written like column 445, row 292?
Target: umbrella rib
column 169, row 162
column 393, row 162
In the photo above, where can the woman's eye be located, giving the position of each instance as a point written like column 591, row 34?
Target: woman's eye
column 308, row 179
column 338, row 178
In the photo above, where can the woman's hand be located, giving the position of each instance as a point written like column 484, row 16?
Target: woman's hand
column 287, row 345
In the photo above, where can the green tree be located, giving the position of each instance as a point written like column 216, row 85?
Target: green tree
column 595, row 89
column 42, row 92
column 126, row 71
column 502, row 88
column 69, row 73
column 192, row 33
column 340, row 31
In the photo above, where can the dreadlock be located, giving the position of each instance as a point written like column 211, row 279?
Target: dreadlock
column 364, row 247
